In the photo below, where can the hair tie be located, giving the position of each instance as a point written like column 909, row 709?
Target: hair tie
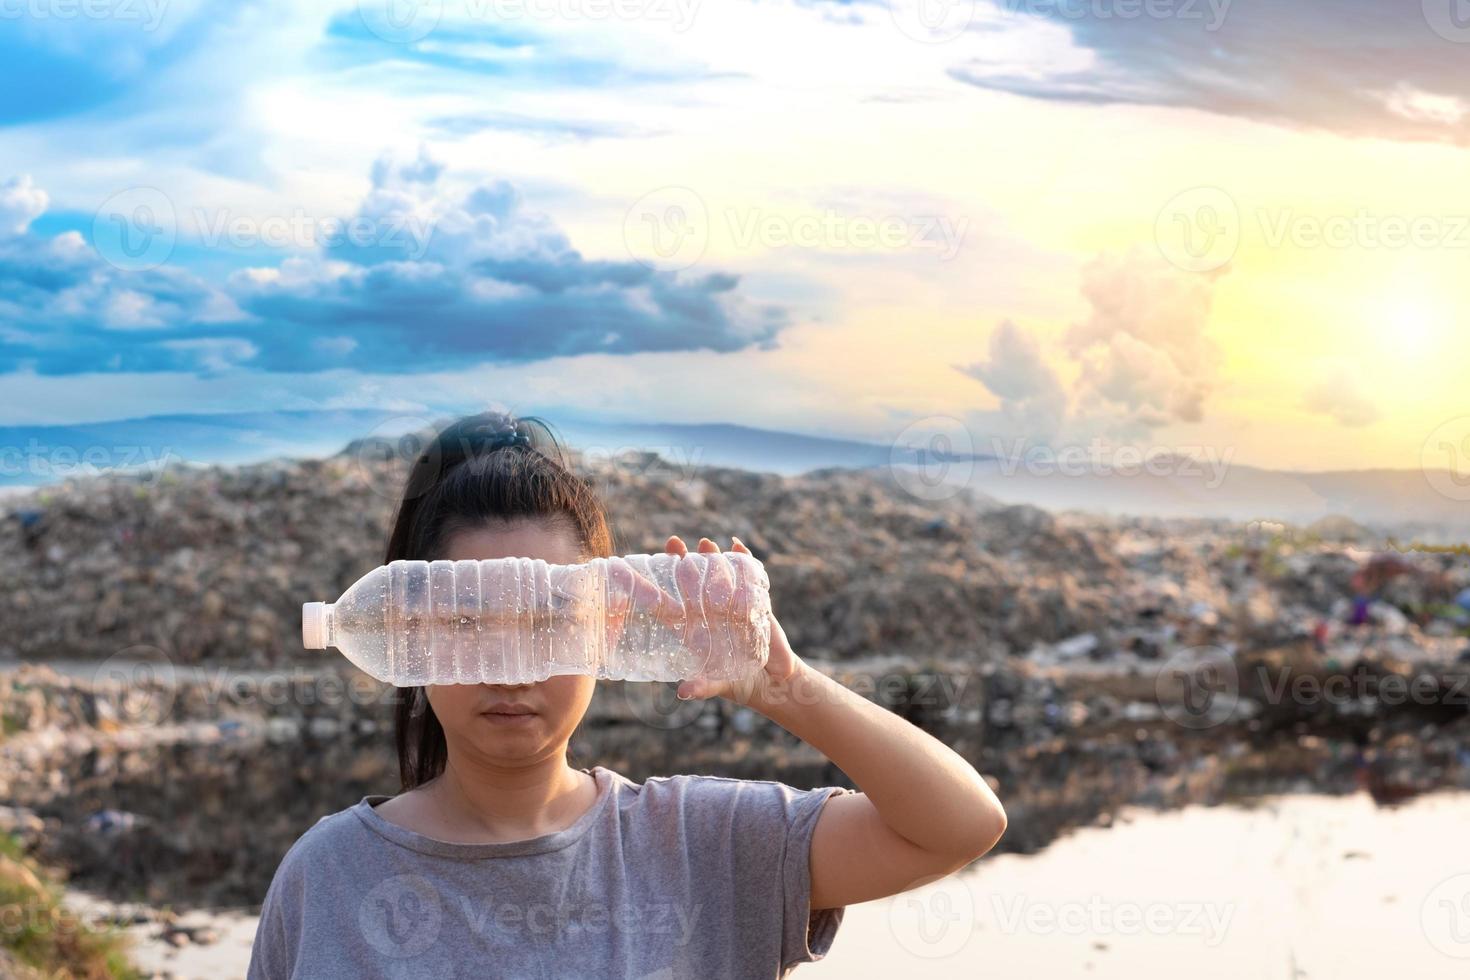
column 500, row 433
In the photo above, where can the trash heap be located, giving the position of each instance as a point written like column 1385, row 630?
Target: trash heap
column 211, row 564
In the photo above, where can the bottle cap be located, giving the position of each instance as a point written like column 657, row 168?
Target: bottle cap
column 314, row 625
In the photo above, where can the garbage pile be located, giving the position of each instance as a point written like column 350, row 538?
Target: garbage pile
column 211, row 564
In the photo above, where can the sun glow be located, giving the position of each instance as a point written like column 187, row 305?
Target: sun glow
column 1412, row 324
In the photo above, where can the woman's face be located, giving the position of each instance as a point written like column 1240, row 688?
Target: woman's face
column 544, row 714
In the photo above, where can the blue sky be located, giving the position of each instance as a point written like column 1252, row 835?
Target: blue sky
column 824, row 217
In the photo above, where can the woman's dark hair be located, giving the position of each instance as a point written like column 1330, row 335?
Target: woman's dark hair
column 481, row 469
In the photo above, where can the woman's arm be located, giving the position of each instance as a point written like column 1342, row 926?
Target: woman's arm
column 922, row 812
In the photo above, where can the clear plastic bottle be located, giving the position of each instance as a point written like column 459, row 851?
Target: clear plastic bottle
column 520, row 620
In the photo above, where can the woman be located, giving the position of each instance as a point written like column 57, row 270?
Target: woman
column 499, row 858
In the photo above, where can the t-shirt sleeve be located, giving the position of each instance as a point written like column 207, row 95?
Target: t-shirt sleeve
column 806, row 934
column 768, row 827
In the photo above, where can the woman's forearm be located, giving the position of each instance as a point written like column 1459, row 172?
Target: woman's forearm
column 922, row 789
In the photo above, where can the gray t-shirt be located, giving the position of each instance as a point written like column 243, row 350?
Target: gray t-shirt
column 680, row 876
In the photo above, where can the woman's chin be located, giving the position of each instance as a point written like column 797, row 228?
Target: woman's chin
column 511, row 722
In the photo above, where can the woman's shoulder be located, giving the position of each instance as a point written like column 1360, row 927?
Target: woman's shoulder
column 331, row 835
column 662, row 789
column 717, row 797
column 695, row 783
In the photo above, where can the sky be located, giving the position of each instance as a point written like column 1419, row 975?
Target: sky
column 1168, row 224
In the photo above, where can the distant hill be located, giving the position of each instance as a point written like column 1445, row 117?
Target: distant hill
column 36, row 455
column 1239, row 493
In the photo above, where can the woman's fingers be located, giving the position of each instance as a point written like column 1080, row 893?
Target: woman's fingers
column 719, row 576
column 705, row 594
column 718, row 644
column 717, row 593
column 630, row 593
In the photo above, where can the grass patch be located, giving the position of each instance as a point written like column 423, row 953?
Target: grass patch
column 39, row 932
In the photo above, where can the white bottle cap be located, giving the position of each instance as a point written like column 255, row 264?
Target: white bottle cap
column 314, row 625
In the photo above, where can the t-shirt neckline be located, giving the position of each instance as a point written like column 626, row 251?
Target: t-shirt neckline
column 556, row 840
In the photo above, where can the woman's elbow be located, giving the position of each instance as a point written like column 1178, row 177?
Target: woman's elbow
column 979, row 835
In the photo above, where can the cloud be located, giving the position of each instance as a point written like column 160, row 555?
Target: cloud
column 533, row 50
column 1328, row 64
column 1031, row 395
column 1416, row 105
column 1142, row 357
column 1144, row 350
column 426, row 275
column 67, row 310
column 215, row 355
column 549, row 130
column 1340, row 398
column 21, row 202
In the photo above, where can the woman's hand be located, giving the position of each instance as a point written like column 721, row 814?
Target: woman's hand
column 719, row 591
column 922, row 812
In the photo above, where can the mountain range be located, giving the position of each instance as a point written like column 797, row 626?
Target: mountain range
column 1168, row 486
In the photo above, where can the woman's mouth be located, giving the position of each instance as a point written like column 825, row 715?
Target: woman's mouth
column 508, row 714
